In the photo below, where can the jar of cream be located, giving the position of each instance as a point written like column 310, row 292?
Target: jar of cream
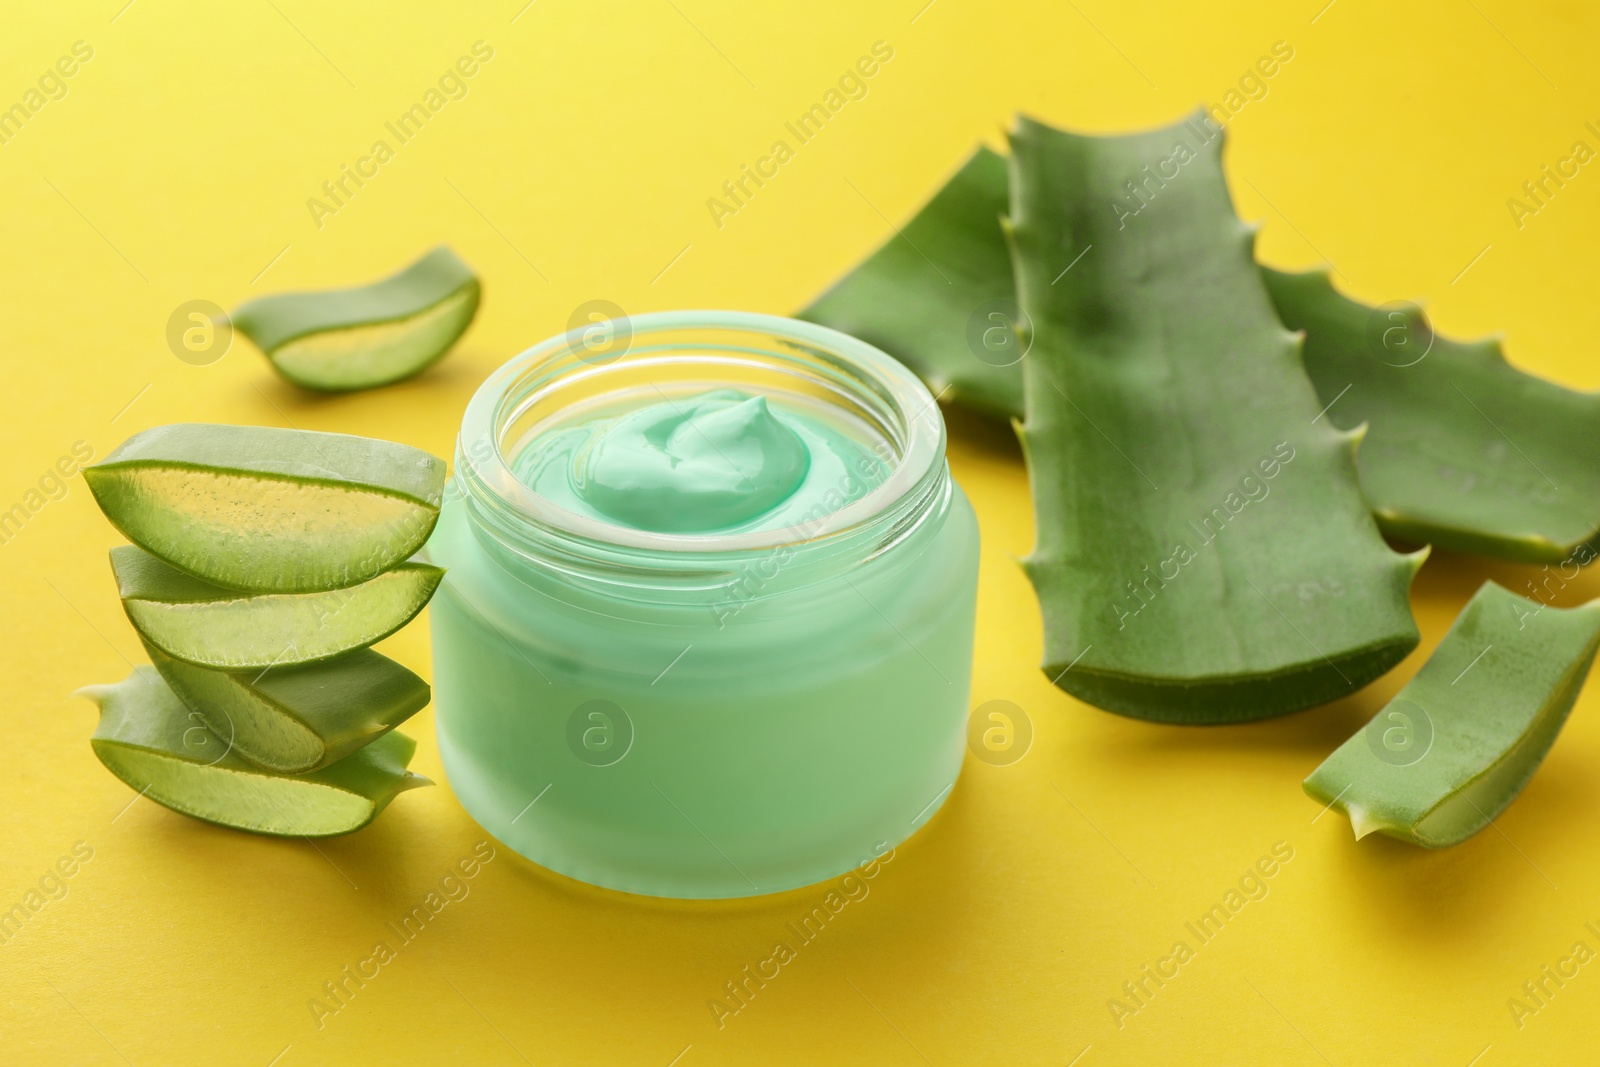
column 707, row 624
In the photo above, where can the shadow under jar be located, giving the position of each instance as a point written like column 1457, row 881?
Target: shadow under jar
column 714, row 714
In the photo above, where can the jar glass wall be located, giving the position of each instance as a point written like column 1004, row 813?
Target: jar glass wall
column 705, row 715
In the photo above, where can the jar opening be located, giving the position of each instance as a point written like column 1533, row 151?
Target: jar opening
column 853, row 385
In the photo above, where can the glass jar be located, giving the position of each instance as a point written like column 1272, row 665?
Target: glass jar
column 704, row 715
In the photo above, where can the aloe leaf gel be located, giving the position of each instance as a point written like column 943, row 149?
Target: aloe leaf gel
column 152, row 741
column 270, row 510
column 1204, row 554
column 295, row 719
column 208, row 625
column 1457, row 745
column 371, row 335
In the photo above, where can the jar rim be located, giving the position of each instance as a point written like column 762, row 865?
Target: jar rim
column 487, row 472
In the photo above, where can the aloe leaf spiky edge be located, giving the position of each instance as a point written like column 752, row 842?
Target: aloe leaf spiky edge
column 1170, row 327
column 1464, row 451
column 1547, row 506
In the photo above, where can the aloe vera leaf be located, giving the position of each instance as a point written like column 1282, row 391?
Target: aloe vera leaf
column 191, row 619
column 1204, row 553
column 151, row 740
column 916, row 297
column 1454, row 747
column 265, row 509
column 1463, row 450
column 298, row 719
column 343, row 339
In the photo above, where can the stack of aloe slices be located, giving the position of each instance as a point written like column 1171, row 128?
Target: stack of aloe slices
column 344, row 339
column 1208, row 546
column 264, row 563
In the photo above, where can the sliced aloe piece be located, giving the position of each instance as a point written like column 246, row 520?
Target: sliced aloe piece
column 938, row 295
column 343, row 339
column 1461, row 740
column 1204, row 554
column 154, row 743
column 268, row 509
column 297, row 719
column 191, row 619
column 1463, row 450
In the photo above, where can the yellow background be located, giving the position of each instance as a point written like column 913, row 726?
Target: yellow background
column 577, row 168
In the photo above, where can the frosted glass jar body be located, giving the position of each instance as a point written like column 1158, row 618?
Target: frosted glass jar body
column 686, row 719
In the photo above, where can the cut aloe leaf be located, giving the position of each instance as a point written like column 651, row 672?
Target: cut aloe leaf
column 191, row 619
column 938, row 295
column 1204, row 554
column 154, row 743
column 298, row 719
column 1460, row 741
column 1463, row 450
column 270, row 510
column 344, row 339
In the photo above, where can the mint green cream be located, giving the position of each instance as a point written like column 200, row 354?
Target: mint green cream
column 717, row 462
column 707, row 623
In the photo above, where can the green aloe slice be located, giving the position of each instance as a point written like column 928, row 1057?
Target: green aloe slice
column 270, row 510
column 298, row 719
column 372, row 335
column 1461, row 740
column 1464, row 450
column 1204, row 553
column 935, row 291
column 191, row 619
column 151, row 740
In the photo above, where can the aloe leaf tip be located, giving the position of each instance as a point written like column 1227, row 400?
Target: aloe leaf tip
column 94, row 693
column 1362, row 821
